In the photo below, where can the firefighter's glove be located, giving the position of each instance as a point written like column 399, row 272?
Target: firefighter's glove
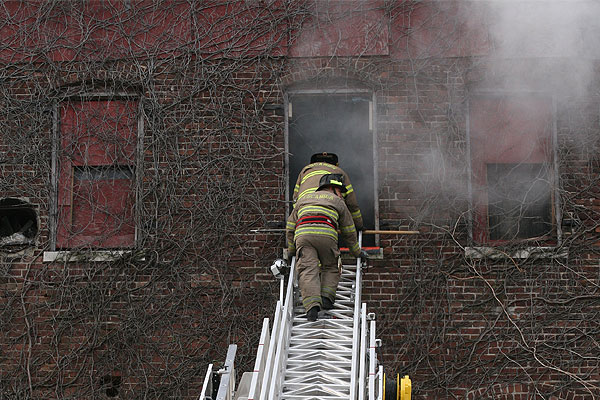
column 364, row 255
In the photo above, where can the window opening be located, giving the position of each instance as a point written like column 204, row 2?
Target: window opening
column 512, row 167
column 339, row 123
column 18, row 222
column 519, row 201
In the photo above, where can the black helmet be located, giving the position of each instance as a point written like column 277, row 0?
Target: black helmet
column 329, row 158
column 335, row 180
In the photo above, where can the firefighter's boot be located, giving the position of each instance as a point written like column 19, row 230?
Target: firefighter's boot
column 327, row 304
column 313, row 313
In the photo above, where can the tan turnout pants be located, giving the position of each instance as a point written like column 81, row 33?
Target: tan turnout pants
column 317, row 266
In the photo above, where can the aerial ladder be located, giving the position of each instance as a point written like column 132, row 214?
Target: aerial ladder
column 328, row 359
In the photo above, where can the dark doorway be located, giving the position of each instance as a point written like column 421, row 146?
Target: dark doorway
column 336, row 123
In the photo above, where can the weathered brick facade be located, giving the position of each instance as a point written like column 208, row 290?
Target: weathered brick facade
column 211, row 165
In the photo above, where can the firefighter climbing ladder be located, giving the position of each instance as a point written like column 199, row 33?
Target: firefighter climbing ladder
column 331, row 358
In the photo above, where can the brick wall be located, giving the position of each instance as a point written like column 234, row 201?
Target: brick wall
column 213, row 162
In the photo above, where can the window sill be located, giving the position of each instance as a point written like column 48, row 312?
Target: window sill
column 523, row 253
column 88, row 256
column 375, row 253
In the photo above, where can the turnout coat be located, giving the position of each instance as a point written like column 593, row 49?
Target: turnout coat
column 308, row 182
column 321, row 213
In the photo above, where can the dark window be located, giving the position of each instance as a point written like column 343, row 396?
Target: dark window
column 519, row 201
column 18, row 222
column 512, row 167
column 336, row 123
column 96, row 190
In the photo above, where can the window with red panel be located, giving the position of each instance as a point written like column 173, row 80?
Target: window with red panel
column 96, row 184
column 512, row 167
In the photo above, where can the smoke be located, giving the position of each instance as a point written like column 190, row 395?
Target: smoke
column 545, row 28
column 545, row 45
column 540, row 48
column 550, row 47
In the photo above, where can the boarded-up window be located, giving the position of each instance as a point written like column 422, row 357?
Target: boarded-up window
column 511, row 160
column 96, row 190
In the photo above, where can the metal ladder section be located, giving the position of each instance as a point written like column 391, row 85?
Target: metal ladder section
column 319, row 356
column 331, row 358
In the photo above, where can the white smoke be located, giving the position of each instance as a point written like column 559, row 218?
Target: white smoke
column 545, row 45
column 546, row 28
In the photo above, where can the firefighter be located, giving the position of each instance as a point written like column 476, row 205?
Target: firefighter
column 312, row 235
column 308, row 181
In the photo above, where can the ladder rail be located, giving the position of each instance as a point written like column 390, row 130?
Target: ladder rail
column 278, row 372
column 356, row 327
column 259, row 364
column 227, row 385
column 266, row 380
column 372, row 360
column 380, row 383
column 207, row 385
column 363, row 352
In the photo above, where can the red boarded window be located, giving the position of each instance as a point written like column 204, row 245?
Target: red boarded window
column 512, row 167
column 96, row 191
